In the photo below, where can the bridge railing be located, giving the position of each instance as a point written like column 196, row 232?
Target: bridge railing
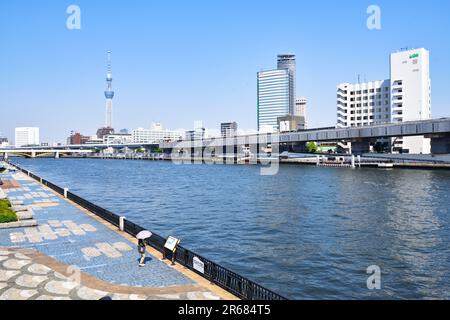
column 230, row 281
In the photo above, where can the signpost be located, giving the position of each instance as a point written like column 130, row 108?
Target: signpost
column 171, row 244
column 199, row 265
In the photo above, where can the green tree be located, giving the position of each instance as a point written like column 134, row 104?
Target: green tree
column 312, row 147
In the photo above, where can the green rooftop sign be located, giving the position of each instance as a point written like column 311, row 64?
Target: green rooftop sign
column 413, row 56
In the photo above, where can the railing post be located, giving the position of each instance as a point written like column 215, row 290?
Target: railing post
column 122, row 223
column 65, row 192
column 186, row 258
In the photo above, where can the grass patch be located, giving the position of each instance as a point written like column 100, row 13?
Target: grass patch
column 6, row 214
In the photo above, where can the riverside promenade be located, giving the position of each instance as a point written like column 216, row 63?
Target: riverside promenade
column 73, row 254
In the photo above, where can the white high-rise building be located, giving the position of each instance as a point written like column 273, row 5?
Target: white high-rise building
column 406, row 96
column 26, row 136
column 300, row 110
column 411, row 95
column 363, row 104
column 155, row 134
column 274, row 93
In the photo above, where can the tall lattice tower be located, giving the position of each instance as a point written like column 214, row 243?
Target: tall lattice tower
column 109, row 93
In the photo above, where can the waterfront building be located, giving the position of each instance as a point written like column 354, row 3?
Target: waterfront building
column 276, row 93
column 94, row 140
column 411, row 95
column 4, row 141
column 154, row 135
column 199, row 132
column 104, row 131
column 291, row 123
column 228, row 129
column 273, row 98
column 363, row 104
column 406, row 96
column 196, row 134
column 288, row 62
column 77, row 138
column 300, row 109
column 118, row 138
column 26, row 136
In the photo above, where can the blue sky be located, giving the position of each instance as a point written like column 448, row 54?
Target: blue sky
column 180, row 61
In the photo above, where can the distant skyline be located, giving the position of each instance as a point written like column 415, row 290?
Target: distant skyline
column 183, row 61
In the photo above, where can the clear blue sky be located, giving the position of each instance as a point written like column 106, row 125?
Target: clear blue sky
column 181, row 61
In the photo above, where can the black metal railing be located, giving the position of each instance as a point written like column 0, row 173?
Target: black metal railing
column 230, row 281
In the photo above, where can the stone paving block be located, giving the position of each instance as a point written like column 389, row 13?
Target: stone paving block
column 74, row 228
column 38, row 269
column 91, row 252
column 30, row 281
column 55, row 223
column 48, row 297
column 122, row 246
column 60, row 287
column 33, row 235
column 108, row 250
column 17, row 294
column 21, row 256
column 62, row 232
column 15, row 264
column 90, row 294
column 47, row 232
column 5, row 275
column 17, row 237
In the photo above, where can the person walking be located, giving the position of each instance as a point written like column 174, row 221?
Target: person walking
column 141, row 249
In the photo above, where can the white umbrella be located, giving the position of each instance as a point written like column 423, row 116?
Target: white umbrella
column 144, row 235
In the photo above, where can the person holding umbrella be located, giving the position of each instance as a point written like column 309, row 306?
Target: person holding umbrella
column 142, row 236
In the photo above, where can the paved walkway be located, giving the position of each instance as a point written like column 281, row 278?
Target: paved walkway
column 70, row 237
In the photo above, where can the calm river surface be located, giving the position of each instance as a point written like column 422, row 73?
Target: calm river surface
column 306, row 233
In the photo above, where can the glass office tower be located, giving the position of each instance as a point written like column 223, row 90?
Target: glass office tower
column 274, row 91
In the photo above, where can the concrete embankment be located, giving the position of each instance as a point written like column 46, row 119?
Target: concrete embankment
column 366, row 160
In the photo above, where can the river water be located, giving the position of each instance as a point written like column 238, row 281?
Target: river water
column 306, row 233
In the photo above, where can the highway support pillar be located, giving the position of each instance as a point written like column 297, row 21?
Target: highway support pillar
column 360, row 146
column 440, row 144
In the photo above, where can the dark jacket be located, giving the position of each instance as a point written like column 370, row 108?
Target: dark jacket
column 141, row 247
